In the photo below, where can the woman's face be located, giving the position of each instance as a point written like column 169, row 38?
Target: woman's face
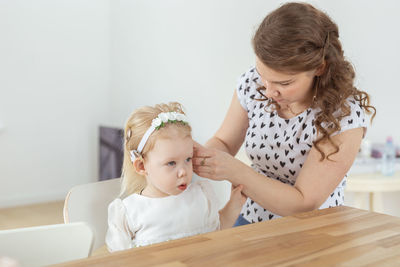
column 286, row 88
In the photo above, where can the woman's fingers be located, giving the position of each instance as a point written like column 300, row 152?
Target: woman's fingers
column 196, row 145
column 211, row 163
column 200, row 151
column 202, row 169
column 201, row 161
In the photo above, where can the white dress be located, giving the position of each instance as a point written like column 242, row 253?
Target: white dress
column 138, row 220
column 278, row 147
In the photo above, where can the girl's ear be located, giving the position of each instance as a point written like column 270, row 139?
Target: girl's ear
column 321, row 69
column 138, row 164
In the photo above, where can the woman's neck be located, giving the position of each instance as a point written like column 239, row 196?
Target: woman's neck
column 294, row 109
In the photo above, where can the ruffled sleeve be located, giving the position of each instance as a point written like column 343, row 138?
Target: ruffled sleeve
column 213, row 204
column 118, row 237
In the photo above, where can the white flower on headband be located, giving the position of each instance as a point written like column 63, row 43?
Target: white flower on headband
column 156, row 122
column 173, row 116
column 165, row 117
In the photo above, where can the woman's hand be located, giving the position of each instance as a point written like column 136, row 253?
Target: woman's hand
column 214, row 164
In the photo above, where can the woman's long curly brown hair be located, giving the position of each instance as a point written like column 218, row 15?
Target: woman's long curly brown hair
column 298, row 37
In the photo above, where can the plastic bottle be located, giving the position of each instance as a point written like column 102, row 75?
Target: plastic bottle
column 388, row 157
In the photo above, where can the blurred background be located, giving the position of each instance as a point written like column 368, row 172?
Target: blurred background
column 68, row 67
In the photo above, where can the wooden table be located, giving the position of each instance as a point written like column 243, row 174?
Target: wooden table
column 341, row 236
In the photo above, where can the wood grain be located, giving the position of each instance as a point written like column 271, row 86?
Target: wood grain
column 340, row 236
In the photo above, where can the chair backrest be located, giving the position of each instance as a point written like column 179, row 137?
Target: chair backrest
column 48, row 244
column 89, row 203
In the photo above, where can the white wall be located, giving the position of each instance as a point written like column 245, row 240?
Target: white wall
column 54, row 91
column 194, row 51
column 91, row 62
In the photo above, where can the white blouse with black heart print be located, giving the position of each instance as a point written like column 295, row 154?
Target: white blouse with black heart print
column 278, row 147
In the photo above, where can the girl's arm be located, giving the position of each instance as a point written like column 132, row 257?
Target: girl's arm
column 229, row 213
column 315, row 182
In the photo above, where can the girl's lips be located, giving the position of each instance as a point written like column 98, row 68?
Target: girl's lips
column 182, row 187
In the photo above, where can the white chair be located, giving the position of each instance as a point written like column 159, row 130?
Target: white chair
column 89, row 203
column 48, row 244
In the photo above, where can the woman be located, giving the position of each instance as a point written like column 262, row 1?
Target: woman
column 299, row 114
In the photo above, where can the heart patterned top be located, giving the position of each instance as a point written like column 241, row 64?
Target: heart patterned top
column 278, row 147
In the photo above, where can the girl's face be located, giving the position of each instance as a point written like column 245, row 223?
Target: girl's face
column 168, row 166
column 285, row 88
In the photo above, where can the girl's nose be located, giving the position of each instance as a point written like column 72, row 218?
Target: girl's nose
column 182, row 172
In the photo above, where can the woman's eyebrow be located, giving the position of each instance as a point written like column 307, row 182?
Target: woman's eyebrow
column 284, row 81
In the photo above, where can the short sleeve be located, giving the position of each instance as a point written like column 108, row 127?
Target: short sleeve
column 356, row 119
column 246, row 89
column 118, row 237
column 241, row 90
column 213, row 203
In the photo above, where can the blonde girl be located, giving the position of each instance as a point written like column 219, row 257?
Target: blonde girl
column 158, row 202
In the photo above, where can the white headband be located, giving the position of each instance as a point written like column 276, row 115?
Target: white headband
column 157, row 123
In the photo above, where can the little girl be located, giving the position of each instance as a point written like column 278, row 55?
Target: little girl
column 157, row 201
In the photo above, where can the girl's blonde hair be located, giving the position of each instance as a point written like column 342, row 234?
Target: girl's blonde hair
column 136, row 126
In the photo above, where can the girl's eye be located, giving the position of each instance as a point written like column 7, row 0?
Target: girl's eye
column 285, row 84
column 189, row 159
column 171, row 163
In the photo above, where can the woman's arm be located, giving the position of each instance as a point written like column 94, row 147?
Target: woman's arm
column 230, row 135
column 315, row 182
column 317, row 179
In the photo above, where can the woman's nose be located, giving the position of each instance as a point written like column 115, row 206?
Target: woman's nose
column 270, row 91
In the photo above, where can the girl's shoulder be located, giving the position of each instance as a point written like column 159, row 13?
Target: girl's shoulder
column 121, row 204
column 116, row 209
column 116, row 203
column 127, row 203
column 207, row 189
column 203, row 185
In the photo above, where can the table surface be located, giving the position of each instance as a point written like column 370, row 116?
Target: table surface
column 373, row 182
column 337, row 236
